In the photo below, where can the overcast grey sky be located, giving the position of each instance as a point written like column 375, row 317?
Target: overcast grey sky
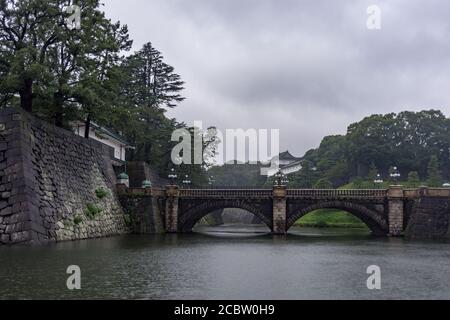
column 306, row 67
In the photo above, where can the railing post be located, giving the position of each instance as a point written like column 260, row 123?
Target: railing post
column 279, row 210
column 121, row 188
column 423, row 191
column 395, row 210
column 171, row 214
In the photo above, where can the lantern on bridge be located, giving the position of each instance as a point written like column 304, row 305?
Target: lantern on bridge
column 146, row 184
column 123, row 178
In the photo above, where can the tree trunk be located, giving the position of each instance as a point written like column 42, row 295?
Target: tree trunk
column 26, row 95
column 59, row 119
column 87, row 126
column 59, row 114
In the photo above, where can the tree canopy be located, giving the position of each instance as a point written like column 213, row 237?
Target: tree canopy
column 64, row 74
column 406, row 140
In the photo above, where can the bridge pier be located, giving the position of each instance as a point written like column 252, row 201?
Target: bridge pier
column 279, row 210
column 171, row 213
column 395, row 210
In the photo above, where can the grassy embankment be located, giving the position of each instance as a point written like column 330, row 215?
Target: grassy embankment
column 330, row 218
column 335, row 218
column 323, row 218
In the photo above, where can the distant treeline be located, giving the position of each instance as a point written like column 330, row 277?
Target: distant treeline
column 416, row 143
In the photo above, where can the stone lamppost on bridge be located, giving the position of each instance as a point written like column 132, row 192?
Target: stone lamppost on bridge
column 279, row 178
column 395, row 175
column 172, row 176
column 186, row 181
column 211, row 181
column 396, row 205
column 279, row 205
column 378, row 181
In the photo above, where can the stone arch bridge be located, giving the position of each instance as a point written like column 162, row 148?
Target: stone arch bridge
column 384, row 211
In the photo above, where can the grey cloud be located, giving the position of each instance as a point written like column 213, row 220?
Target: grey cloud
column 309, row 68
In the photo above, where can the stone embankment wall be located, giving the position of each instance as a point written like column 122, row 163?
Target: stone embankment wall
column 144, row 213
column 430, row 219
column 54, row 185
column 143, row 210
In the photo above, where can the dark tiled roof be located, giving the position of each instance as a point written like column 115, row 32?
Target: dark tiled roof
column 287, row 156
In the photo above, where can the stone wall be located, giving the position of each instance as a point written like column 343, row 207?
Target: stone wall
column 144, row 213
column 55, row 185
column 429, row 219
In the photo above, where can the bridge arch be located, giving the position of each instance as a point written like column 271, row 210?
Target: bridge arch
column 189, row 218
column 373, row 219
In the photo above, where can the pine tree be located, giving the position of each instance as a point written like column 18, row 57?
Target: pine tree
column 28, row 30
column 372, row 174
column 150, row 82
column 413, row 179
column 55, row 70
column 149, row 86
column 323, row 184
column 358, row 183
column 434, row 173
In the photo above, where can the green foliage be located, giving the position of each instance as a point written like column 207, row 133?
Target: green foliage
column 127, row 219
column 26, row 27
column 64, row 75
column 92, row 210
column 101, row 193
column 372, row 174
column 55, row 70
column 210, row 220
column 323, row 184
column 374, row 146
column 434, row 173
column 305, row 178
column 197, row 173
column 359, row 183
column 150, row 82
column 147, row 88
column 413, row 179
column 331, row 160
column 237, row 175
column 77, row 220
column 405, row 140
column 319, row 224
column 330, row 218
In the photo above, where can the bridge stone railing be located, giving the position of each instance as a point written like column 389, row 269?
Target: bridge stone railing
column 369, row 194
column 337, row 193
column 225, row 193
column 291, row 193
column 397, row 202
column 426, row 192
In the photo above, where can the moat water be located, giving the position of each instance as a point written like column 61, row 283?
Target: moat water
column 230, row 262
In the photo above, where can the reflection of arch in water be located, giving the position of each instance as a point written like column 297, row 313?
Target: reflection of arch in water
column 238, row 216
column 372, row 219
column 190, row 218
